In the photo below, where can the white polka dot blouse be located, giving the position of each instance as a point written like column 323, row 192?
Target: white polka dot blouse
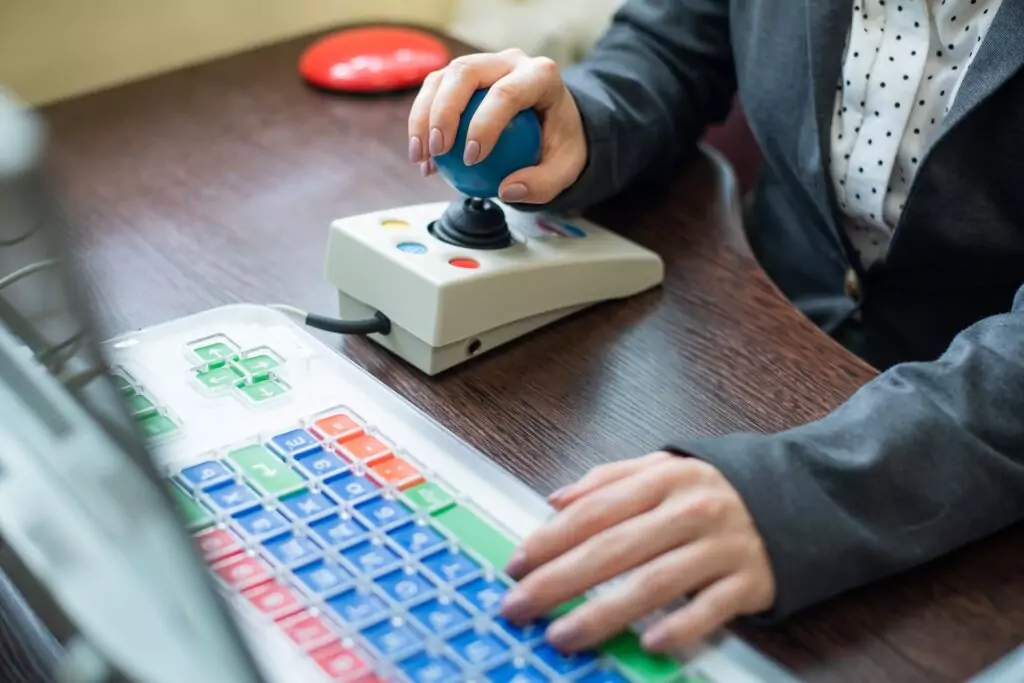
column 904, row 63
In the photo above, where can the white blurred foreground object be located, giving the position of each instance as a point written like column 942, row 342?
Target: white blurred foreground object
column 563, row 30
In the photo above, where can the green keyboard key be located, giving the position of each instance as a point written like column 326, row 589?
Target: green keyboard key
column 215, row 378
column 567, row 607
column 643, row 667
column 196, row 516
column 157, row 425
column 477, row 534
column 258, row 366
column 265, row 470
column 124, row 386
column 263, row 390
column 216, row 353
column 141, row 407
column 428, row 496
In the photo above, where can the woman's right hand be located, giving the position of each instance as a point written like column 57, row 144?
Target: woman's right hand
column 516, row 82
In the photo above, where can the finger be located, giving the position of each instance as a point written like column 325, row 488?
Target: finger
column 463, row 77
column 662, row 581
column 710, row 610
column 587, row 517
column 419, row 117
column 428, row 168
column 645, row 542
column 533, row 83
column 601, row 476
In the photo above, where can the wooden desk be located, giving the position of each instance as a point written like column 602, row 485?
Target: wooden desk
column 216, row 184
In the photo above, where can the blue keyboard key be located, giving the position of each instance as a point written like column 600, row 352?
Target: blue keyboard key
column 321, row 577
column 451, row 566
column 510, row 673
column 529, row 633
column 320, row 463
column 205, row 474
column 440, row 615
column 603, row 677
column 261, row 521
column 338, row 530
column 355, row 606
column 393, row 640
column 404, row 586
column 232, row 496
column 383, row 512
column 561, row 664
column 308, row 504
column 351, row 486
column 486, row 595
column 478, row 648
column 427, row 668
column 291, row 549
column 370, row 557
column 294, row 442
column 417, row 538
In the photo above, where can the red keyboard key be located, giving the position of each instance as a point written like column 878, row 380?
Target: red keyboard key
column 339, row 662
column 366, row 447
column 307, row 631
column 398, row 472
column 217, row 544
column 340, row 427
column 273, row 599
column 242, row 572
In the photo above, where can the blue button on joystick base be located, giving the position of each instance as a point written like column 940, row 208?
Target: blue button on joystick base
column 473, row 223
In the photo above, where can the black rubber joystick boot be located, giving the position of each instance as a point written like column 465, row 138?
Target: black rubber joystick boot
column 474, row 224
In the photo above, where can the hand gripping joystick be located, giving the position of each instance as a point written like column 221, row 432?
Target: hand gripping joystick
column 476, row 222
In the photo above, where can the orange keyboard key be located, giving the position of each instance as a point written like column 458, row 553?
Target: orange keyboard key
column 366, row 447
column 340, row 427
column 398, row 472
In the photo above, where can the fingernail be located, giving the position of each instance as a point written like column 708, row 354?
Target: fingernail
column 472, row 153
column 436, row 141
column 516, row 564
column 562, row 634
column 415, row 149
column 514, row 192
column 653, row 638
column 425, row 168
column 557, row 495
column 514, row 605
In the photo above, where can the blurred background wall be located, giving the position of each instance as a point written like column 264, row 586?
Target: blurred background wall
column 52, row 49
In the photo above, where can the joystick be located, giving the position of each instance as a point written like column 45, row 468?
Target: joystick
column 458, row 279
column 473, row 223
column 476, row 222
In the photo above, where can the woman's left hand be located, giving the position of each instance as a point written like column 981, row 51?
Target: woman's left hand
column 674, row 523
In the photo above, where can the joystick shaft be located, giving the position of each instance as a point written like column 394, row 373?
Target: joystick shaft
column 473, row 223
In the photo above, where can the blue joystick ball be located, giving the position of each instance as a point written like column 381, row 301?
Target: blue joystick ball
column 518, row 147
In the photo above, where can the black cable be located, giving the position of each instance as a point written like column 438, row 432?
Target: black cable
column 378, row 324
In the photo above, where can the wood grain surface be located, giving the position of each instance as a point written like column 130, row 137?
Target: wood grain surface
column 216, row 184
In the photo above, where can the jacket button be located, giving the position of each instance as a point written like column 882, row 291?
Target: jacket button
column 851, row 285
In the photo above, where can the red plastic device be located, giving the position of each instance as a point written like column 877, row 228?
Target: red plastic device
column 372, row 59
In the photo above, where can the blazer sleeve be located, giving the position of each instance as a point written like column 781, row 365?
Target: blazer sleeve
column 924, row 458
column 658, row 76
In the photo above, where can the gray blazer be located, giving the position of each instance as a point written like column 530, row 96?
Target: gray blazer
column 930, row 455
